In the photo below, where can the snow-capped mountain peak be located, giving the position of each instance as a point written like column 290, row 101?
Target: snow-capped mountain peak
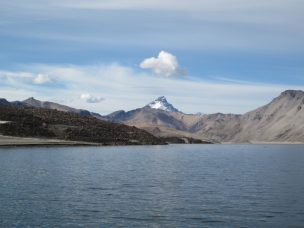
column 163, row 104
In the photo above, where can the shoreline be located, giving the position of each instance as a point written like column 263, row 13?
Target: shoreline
column 262, row 143
column 11, row 141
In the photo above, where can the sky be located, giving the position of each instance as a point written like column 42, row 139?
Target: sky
column 205, row 56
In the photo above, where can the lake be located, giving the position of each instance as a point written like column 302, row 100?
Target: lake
column 153, row 186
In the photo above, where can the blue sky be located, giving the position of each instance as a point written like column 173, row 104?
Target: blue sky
column 238, row 54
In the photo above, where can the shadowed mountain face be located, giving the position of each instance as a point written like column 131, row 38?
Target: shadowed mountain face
column 282, row 120
column 4, row 102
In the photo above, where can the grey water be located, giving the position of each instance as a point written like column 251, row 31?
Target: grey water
column 153, row 186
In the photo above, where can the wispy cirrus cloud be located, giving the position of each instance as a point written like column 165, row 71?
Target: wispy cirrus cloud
column 127, row 88
column 42, row 79
column 17, row 78
column 190, row 5
column 186, row 25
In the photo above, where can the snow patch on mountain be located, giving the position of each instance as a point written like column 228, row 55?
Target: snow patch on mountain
column 163, row 104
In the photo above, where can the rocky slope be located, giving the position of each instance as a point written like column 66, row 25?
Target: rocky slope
column 282, row 120
column 48, row 123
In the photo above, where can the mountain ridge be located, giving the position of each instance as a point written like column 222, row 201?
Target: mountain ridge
column 31, row 102
column 279, row 120
column 48, row 120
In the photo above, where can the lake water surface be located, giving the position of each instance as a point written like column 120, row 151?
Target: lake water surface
column 153, row 186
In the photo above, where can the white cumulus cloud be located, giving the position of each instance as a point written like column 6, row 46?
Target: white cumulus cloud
column 165, row 64
column 90, row 99
column 41, row 79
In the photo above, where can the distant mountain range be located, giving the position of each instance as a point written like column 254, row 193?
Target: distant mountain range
column 33, row 103
column 282, row 120
column 48, row 120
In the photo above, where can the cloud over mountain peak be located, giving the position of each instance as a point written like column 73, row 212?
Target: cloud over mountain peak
column 165, row 64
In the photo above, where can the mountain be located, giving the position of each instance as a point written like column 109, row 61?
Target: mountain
column 162, row 104
column 163, row 120
column 4, row 102
column 282, row 120
column 33, row 103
